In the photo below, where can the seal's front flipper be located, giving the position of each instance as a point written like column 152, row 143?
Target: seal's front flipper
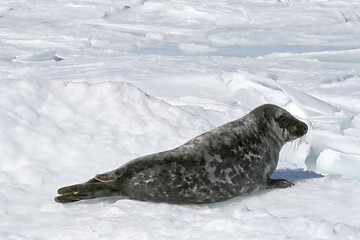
column 278, row 183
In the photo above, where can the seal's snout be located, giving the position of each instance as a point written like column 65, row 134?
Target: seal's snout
column 302, row 129
column 296, row 130
column 305, row 128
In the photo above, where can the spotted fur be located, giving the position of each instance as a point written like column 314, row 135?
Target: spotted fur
column 232, row 160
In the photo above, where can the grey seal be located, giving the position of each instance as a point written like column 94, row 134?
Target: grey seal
column 232, row 160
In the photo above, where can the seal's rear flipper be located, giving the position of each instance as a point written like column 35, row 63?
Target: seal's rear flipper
column 86, row 190
column 68, row 198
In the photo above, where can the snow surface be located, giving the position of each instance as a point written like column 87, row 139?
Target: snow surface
column 88, row 85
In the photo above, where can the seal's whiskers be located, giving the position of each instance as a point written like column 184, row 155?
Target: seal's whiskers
column 295, row 143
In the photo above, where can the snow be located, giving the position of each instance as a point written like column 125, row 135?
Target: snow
column 86, row 86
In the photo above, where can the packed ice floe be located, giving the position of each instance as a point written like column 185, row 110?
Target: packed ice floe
column 86, row 86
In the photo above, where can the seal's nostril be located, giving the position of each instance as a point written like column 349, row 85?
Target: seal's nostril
column 305, row 128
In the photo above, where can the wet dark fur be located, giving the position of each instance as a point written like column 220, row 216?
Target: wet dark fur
column 232, row 160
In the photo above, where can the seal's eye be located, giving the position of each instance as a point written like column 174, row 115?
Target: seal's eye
column 283, row 121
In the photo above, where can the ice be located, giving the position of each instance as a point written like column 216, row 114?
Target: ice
column 86, row 86
column 44, row 56
column 330, row 161
column 312, row 106
column 196, row 48
column 350, row 56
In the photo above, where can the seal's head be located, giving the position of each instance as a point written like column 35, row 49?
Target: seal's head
column 282, row 123
column 292, row 127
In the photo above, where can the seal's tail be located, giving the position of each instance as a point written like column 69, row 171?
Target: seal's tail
column 88, row 190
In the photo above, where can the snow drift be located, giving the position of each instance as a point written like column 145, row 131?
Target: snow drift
column 86, row 86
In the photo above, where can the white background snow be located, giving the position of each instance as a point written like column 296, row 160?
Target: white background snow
column 87, row 85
